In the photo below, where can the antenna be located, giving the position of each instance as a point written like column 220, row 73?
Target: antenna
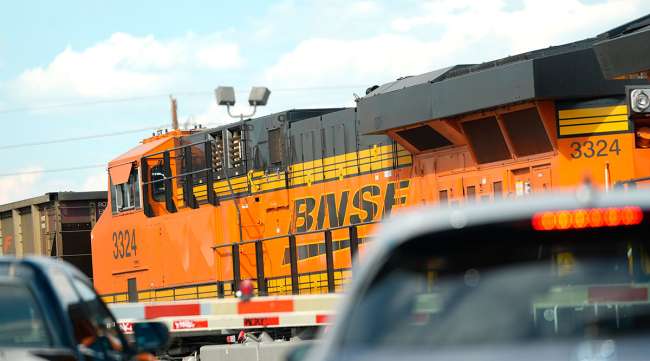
column 174, row 112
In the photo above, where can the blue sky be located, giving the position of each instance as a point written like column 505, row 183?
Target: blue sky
column 79, row 68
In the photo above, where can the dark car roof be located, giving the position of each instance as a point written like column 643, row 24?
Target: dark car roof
column 42, row 264
column 38, row 273
column 22, row 354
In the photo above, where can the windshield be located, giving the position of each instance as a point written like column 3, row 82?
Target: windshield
column 505, row 285
column 21, row 321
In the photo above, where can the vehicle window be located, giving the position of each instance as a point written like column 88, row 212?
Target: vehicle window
column 21, row 320
column 495, row 286
column 126, row 196
column 158, row 185
column 97, row 328
column 63, row 287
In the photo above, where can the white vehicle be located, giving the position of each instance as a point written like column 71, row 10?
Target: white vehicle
column 556, row 278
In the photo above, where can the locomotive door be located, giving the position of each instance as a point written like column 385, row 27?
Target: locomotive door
column 541, row 178
column 446, row 192
column 521, row 181
column 471, row 189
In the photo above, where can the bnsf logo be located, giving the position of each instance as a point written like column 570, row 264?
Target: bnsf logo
column 365, row 205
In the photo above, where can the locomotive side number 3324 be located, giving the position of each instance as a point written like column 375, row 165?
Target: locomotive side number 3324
column 124, row 244
column 589, row 149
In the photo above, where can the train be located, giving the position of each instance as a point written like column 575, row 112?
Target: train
column 289, row 200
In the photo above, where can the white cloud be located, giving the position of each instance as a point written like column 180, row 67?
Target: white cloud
column 95, row 182
column 444, row 33
column 365, row 7
column 125, row 65
column 325, row 62
column 535, row 25
column 14, row 188
column 212, row 116
column 216, row 56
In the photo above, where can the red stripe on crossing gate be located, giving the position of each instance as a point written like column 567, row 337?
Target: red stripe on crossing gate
column 323, row 319
column 265, row 306
column 126, row 327
column 189, row 324
column 261, row 321
column 154, row 311
column 617, row 294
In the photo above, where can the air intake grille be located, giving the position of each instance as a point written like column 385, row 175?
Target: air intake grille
column 424, row 138
column 486, row 139
column 527, row 132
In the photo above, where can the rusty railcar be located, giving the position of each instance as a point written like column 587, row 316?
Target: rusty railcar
column 55, row 224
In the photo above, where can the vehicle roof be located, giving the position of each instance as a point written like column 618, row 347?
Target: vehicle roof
column 424, row 220
column 42, row 264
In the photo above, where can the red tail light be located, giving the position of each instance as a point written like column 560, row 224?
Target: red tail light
column 587, row 218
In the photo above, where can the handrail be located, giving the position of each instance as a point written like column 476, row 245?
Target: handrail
column 176, row 148
column 289, row 175
column 631, row 181
column 292, row 173
column 177, row 176
column 250, row 241
column 294, row 273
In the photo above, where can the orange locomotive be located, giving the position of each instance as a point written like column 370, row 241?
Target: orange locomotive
column 285, row 199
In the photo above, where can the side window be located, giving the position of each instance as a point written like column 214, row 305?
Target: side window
column 126, row 195
column 113, row 197
column 94, row 326
column 83, row 332
column 158, row 185
column 21, row 321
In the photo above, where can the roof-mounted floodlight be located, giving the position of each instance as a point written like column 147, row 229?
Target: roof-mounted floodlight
column 259, row 96
column 225, row 95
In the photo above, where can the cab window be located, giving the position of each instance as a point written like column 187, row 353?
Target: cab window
column 126, row 196
column 158, row 183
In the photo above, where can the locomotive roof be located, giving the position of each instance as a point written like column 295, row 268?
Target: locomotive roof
column 134, row 154
column 292, row 115
column 569, row 71
column 624, row 49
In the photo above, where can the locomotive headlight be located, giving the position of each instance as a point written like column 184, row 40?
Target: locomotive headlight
column 639, row 100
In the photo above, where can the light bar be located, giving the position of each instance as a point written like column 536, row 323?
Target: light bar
column 587, row 218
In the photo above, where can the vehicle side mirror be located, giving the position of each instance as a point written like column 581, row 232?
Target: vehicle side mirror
column 150, row 336
column 299, row 351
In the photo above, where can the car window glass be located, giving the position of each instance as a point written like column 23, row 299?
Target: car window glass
column 582, row 285
column 63, row 287
column 98, row 328
column 21, row 320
